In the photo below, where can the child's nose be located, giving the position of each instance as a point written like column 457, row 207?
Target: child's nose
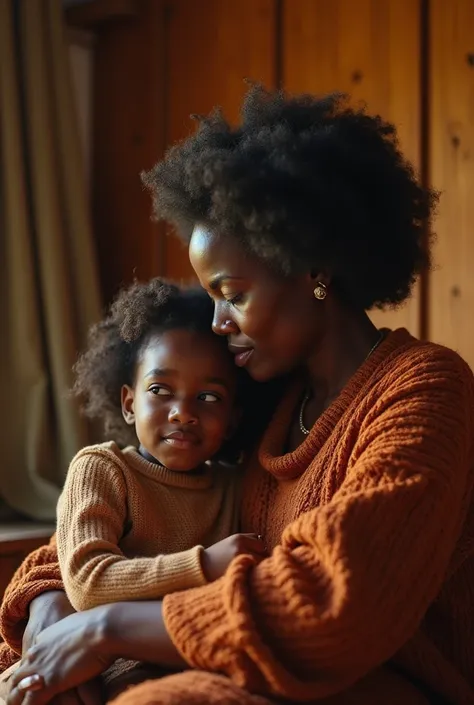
column 182, row 413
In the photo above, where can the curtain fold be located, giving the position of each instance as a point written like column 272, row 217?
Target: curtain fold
column 49, row 292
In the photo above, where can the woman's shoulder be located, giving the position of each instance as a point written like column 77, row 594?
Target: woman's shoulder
column 424, row 364
column 425, row 355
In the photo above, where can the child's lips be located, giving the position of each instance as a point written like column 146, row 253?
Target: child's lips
column 182, row 440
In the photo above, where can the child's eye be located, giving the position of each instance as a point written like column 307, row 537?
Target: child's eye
column 158, row 390
column 208, row 397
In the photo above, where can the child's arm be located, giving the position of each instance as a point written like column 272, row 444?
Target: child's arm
column 91, row 517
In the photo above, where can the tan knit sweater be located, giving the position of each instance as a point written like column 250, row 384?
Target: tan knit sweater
column 128, row 529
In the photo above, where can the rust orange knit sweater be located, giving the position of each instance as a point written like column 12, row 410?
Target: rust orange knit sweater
column 372, row 535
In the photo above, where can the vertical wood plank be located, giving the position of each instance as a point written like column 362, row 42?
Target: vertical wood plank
column 452, row 171
column 128, row 136
column 212, row 45
column 371, row 50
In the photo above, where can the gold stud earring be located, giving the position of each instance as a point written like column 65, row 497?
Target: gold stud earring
column 320, row 291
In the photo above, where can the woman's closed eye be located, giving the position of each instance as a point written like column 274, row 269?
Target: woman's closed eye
column 236, row 299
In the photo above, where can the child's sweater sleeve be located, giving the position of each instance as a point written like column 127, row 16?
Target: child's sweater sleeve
column 92, row 512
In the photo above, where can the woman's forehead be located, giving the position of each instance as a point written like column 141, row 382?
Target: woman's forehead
column 221, row 258
column 201, row 243
column 213, row 255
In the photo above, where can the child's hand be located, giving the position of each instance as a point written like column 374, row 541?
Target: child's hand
column 216, row 558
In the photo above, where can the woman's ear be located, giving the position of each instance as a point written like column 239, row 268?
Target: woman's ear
column 319, row 275
column 127, row 398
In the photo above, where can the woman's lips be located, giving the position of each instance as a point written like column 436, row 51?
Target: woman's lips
column 242, row 354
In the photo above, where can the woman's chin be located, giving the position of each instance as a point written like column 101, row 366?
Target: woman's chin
column 263, row 371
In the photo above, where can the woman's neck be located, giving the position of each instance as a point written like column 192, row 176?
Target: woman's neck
column 346, row 344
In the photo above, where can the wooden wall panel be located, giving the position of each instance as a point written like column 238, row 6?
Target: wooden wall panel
column 371, row 50
column 451, row 309
column 128, row 136
column 211, row 46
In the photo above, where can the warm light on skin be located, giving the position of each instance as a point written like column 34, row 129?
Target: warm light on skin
column 182, row 399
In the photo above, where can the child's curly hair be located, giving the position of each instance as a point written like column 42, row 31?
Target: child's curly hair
column 304, row 183
column 115, row 343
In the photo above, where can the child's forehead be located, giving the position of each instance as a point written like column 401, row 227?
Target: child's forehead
column 181, row 348
column 189, row 341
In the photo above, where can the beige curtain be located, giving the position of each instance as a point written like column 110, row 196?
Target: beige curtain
column 48, row 278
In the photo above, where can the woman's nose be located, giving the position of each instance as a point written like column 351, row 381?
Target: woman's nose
column 221, row 323
column 182, row 413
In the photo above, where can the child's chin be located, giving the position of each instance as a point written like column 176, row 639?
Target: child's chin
column 182, row 465
column 180, row 469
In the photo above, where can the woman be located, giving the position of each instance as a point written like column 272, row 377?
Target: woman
column 298, row 222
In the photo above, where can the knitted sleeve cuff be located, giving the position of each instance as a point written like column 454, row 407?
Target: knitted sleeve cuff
column 196, row 622
column 15, row 607
column 7, row 657
column 207, row 633
column 183, row 570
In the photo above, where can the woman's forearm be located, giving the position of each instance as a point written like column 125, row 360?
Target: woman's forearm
column 136, row 630
column 45, row 609
column 38, row 574
column 52, row 602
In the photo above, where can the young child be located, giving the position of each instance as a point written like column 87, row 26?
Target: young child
column 159, row 515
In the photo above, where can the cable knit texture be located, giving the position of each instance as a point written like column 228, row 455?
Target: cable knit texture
column 129, row 529
column 371, row 531
column 367, row 595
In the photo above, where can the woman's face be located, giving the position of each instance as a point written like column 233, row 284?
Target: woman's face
column 273, row 323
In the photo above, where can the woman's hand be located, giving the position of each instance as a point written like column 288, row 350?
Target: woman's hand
column 83, row 645
column 64, row 656
column 45, row 610
column 89, row 693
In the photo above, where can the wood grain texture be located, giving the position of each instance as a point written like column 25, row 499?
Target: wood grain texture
column 89, row 15
column 212, row 46
column 371, row 50
column 128, row 136
column 452, row 171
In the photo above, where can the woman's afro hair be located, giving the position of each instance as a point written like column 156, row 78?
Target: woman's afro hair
column 304, row 183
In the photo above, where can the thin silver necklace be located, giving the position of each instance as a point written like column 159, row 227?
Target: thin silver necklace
column 307, row 396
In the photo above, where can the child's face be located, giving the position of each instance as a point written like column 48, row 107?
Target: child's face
column 182, row 402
